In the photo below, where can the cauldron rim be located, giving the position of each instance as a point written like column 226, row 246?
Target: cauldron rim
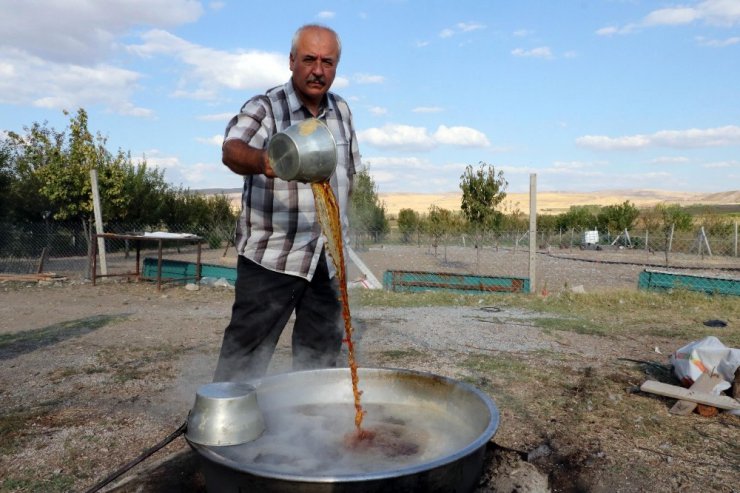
column 474, row 446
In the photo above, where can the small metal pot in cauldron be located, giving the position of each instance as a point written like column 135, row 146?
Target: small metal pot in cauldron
column 432, row 432
column 225, row 413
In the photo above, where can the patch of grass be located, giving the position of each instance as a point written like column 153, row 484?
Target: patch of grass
column 577, row 325
column 381, row 297
column 399, row 354
column 31, row 483
column 678, row 314
column 16, row 423
column 136, row 363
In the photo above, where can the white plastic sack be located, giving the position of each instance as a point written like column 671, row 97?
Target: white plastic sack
column 707, row 355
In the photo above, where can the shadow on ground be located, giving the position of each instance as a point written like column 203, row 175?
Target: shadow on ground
column 27, row 341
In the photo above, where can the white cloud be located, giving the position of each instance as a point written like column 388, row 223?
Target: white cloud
column 713, row 12
column 216, row 140
column 461, row 136
column 155, row 158
column 571, row 165
column 28, row 79
column 247, row 70
column 408, row 138
column 378, row 110
column 671, row 16
column 402, row 137
column 339, row 82
column 427, row 109
column 722, row 164
column 461, row 27
column 422, row 44
column 368, row 79
column 470, row 26
column 326, row 14
column 83, row 32
column 394, row 162
column 216, row 117
column 51, row 52
column 216, row 5
column 539, row 52
column 710, row 137
column 669, row 160
column 720, row 12
column 717, row 43
column 522, row 33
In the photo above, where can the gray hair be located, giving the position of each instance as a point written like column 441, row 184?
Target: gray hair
column 297, row 35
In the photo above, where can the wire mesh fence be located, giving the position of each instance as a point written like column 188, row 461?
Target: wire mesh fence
column 483, row 261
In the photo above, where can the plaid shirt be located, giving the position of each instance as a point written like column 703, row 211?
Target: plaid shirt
column 278, row 227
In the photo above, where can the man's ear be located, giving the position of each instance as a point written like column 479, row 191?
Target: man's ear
column 292, row 61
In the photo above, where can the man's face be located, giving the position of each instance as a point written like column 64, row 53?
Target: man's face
column 314, row 64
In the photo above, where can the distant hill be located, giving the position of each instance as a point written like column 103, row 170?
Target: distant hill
column 547, row 202
column 557, row 202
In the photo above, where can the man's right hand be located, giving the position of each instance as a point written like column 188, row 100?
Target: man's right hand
column 245, row 160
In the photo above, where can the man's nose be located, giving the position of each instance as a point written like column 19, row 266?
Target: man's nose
column 318, row 68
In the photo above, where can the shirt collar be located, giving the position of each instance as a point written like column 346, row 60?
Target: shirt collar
column 295, row 104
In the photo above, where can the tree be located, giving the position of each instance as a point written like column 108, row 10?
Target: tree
column 408, row 223
column 367, row 212
column 578, row 217
column 617, row 217
column 46, row 174
column 438, row 224
column 483, row 189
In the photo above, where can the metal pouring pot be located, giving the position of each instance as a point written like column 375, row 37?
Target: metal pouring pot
column 305, row 152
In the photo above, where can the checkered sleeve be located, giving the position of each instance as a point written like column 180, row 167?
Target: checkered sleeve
column 253, row 123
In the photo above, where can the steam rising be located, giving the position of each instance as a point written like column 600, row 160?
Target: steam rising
column 316, row 440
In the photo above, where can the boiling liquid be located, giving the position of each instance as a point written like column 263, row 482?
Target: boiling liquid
column 328, row 213
column 312, row 439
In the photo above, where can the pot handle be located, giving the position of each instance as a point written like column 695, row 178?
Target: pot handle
column 126, row 467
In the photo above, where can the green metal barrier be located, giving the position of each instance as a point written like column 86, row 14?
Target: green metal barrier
column 174, row 269
column 662, row 281
column 414, row 281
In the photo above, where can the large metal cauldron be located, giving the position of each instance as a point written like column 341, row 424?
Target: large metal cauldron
column 431, row 434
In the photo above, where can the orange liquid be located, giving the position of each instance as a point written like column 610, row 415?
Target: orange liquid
column 328, row 213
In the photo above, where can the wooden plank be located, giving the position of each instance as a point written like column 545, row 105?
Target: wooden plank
column 31, row 277
column 704, row 384
column 664, row 389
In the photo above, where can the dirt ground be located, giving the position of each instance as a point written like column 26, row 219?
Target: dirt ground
column 92, row 376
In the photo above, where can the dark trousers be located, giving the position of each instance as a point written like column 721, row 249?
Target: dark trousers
column 263, row 303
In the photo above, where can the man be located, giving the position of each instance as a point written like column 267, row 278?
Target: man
column 282, row 264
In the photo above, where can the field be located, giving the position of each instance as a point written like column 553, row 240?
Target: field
column 548, row 202
column 558, row 202
column 91, row 376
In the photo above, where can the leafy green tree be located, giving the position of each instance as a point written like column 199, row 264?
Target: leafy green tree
column 673, row 215
column 578, row 217
column 547, row 222
column 483, row 189
column 439, row 223
column 367, row 212
column 617, row 217
column 714, row 223
column 6, row 179
column 28, row 153
column 46, row 174
column 408, row 224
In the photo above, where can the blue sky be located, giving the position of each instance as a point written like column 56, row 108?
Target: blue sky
column 589, row 95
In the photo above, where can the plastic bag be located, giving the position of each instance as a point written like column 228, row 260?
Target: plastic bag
column 707, row 355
